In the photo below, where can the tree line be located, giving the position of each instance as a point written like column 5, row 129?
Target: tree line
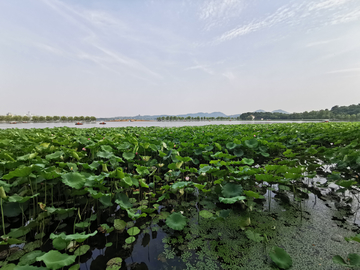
column 197, row 118
column 19, row 118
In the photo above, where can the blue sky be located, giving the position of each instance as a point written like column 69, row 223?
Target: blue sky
column 124, row 58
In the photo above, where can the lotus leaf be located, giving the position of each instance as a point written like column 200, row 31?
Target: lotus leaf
column 231, row 190
column 114, row 263
column 130, row 240
column 123, row 200
column 176, row 221
column 128, row 155
column 254, row 236
column 133, row 231
column 60, row 243
column 19, row 172
column 26, row 267
column 280, row 258
column 231, row 200
column 230, row 145
column 81, row 250
column 78, row 237
column 55, row 260
column 32, row 245
column 119, row 224
column 30, row 257
column 9, row 266
column 354, row 259
column 15, row 256
column 74, row 180
column 205, row 214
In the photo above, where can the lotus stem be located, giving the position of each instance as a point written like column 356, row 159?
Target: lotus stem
column 2, row 216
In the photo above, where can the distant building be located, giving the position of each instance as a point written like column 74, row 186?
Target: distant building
column 9, row 114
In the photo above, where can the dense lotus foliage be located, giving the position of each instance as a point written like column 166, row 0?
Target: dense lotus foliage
column 61, row 187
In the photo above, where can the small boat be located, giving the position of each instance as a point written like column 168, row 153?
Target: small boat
column 78, row 123
column 102, row 123
column 13, row 122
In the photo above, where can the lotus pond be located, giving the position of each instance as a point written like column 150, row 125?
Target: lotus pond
column 275, row 196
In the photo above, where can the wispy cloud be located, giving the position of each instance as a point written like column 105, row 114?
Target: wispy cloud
column 215, row 13
column 204, row 68
column 319, row 43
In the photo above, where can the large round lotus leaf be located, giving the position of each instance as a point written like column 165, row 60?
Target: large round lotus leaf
column 180, row 185
column 231, row 200
column 59, row 243
column 119, row 224
column 231, row 190
column 15, row 256
column 30, row 257
column 164, row 215
column 82, row 250
column 130, row 239
column 128, row 155
column 205, row 214
column 230, row 145
column 133, row 231
column 114, row 261
column 123, row 200
column 13, row 209
column 280, row 258
column 55, row 260
column 253, row 143
column 176, row 221
column 74, row 180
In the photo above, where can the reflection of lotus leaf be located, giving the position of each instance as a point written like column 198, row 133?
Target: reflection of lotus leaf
column 176, row 221
column 232, row 190
column 55, row 260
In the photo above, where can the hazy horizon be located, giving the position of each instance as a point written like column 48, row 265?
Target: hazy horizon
column 124, row 58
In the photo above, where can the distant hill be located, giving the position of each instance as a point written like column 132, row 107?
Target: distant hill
column 280, row 111
column 260, row 111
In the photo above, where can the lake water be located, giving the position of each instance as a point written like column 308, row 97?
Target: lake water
column 140, row 124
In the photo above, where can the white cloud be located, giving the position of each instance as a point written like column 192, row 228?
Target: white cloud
column 349, row 70
column 204, row 68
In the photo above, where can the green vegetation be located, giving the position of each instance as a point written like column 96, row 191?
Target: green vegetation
column 19, row 118
column 65, row 190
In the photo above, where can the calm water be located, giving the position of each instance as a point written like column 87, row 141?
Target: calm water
column 140, row 124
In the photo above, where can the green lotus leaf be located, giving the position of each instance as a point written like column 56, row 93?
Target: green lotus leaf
column 55, row 155
column 231, row 200
column 205, row 214
column 247, row 161
column 81, row 250
column 143, row 183
column 9, row 266
column 123, row 200
column 60, row 243
column 18, row 232
column 339, row 260
column 106, row 200
column 133, row 231
column 30, row 257
column 74, row 267
column 82, row 225
column 230, row 145
column 73, row 179
column 164, row 215
column 238, row 152
column 176, row 221
column 231, row 190
column 253, row 194
column 78, row 237
column 26, row 267
column 180, row 185
column 128, row 155
column 280, row 258
column 127, row 180
column 209, row 148
column 19, row 172
column 19, row 199
column 119, row 224
column 354, row 259
column 142, row 170
column 130, row 240
column 15, row 256
column 109, row 244
column 114, row 262
column 55, row 260
column 253, row 143
column 104, row 154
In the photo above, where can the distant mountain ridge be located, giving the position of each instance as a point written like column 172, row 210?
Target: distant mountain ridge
column 199, row 114
column 276, row 111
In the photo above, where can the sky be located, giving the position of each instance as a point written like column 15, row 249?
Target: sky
column 124, row 58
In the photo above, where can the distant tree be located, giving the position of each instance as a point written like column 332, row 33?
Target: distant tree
column 70, row 118
column 81, row 118
column 35, row 118
column 63, row 118
column 93, row 118
column 56, row 118
column 26, row 118
column 87, row 118
column 42, row 119
column 49, row 118
column 2, row 117
column 76, row 118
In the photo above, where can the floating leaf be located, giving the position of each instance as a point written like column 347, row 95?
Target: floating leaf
column 133, row 231
column 205, row 214
column 354, row 259
column 114, row 264
column 280, row 258
column 119, row 224
column 55, row 260
column 81, row 250
column 254, row 236
column 176, row 221
column 339, row 260
column 231, row 190
column 130, row 239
